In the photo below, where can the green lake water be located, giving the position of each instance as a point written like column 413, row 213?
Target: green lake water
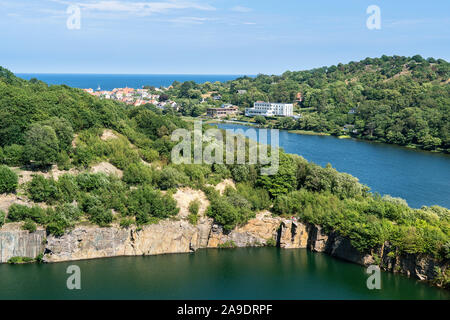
column 245, row 273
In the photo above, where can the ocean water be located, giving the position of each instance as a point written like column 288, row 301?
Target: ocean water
column 111, row 81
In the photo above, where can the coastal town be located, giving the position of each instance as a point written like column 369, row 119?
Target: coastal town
column 138, row 97
column 135, row 97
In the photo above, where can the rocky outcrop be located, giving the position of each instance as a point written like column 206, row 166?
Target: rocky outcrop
column 413, row 265
column 292, row 234
column 89, row 242
column 418, row 266
column 15, row 242
column 335, row 245
column 255, row 233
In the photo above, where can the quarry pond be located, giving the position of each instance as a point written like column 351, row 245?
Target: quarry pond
column 244, row 273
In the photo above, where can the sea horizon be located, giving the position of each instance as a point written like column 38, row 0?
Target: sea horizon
column 121, row 80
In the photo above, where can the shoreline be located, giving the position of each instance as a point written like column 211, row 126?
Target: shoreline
column 324, row 134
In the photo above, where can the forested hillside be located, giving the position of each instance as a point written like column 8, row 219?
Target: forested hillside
column 43, row 127
column 398, row 100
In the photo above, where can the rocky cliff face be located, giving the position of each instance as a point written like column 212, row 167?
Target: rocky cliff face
column 15, row 242
column 89, row 242
column 179, row 236
column 414, row 265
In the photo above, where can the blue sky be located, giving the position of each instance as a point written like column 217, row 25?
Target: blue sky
column 214, row 36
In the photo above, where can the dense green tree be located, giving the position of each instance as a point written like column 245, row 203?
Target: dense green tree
column 41, row 145
column 63, row 130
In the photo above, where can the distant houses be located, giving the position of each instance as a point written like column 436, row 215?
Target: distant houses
column 136, row 97
column 224, row 111
column 269, row 109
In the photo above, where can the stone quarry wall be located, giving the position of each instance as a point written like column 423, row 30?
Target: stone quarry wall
column 179, row 236
column 15, row 242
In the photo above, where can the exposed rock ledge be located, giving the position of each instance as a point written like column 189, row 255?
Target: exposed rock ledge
column 178, row 236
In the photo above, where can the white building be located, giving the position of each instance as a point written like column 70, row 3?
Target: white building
column 268, row 109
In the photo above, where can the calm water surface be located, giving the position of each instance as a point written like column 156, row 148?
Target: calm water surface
column 419, row 177
column 245, row 273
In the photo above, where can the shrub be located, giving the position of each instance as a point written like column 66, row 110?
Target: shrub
column 100, row 216
column 56, row 229
column 8, row 180
column 121, row 154
column 240, row 172
column 145, row 202
column 442, row 277
column 286, row 205
column 126, row 222
column 83, row 156
column 18, row 212
column 37, row 214
column 285, row 179
column 138, row 173
column 258, row 198
column 67, row 188
column 42, row 190
column 20, row 260
column 13, row 155
column 194, row 206
column 149, row 155
column 62, row 218
column 2, row 218
column 96, row 211
column 230, row 211
column 40, row 258
column 193, row 219
column 68, row 212
column 113, row 194
column 170, row 177
column 227, row 245
column 271, row 242
column 63, row 161
column 260, row 120
column 210, row 192
column 91, row 181
column 196, row 173
column 221, row 170
column 29, row 225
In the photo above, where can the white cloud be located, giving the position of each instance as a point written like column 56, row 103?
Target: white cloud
column 139, row 8
column 241, row 9
column 190, row 20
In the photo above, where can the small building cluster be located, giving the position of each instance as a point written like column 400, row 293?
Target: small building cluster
column 222, row 112
column 132, row 96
